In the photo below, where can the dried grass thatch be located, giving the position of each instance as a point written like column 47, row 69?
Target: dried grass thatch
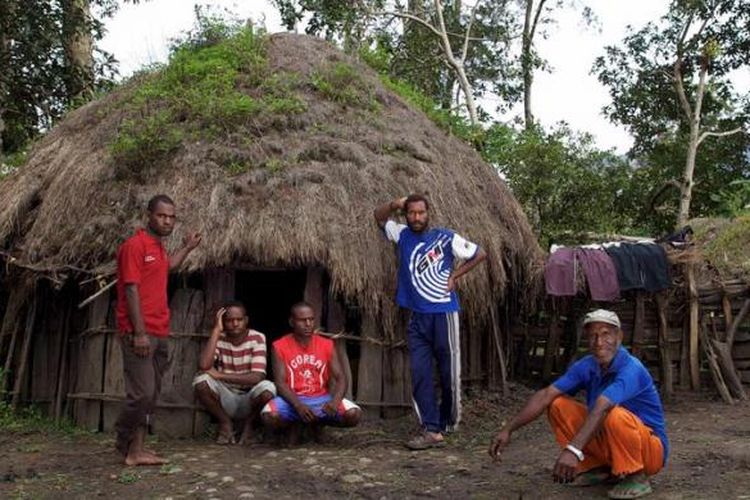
column 69, row 206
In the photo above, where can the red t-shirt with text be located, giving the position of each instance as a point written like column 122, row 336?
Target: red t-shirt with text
column 307, row 368
column 142, row 260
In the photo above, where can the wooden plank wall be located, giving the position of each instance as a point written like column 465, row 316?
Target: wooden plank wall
column 648, row 336
column 90, row 367
column 379, row 375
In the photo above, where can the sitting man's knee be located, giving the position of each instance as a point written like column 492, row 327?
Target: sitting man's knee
column 351, row 417
column 557, row 406
column 201, row 387
column 617, row 417
column 271, row 420
column 264, row 397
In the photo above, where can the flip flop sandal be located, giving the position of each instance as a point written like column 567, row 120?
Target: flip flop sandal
column 630, row 489
column 592, row 478
column 424, row 442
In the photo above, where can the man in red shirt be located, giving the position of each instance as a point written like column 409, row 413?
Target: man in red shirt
column 303, row 365
column 143, row 321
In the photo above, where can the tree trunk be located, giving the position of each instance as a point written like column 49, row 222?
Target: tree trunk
column 78, row 45
column 526, row 67
column 7, row 11
column 457, row 64
column 686, row 186
column 471, row 106
column 694, row 118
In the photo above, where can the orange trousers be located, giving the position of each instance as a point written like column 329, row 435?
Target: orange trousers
column 623, row 442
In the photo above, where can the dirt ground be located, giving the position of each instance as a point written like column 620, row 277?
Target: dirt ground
column 710, row 458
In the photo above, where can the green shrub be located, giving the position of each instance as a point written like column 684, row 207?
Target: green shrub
column 202, row 93
column 340, row 82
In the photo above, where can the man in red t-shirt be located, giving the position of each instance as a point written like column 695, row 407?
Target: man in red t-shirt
column 303, row 365
column 143, row 321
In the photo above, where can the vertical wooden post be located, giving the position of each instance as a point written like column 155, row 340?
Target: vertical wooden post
column 726, row 306
column 16, row 301
column 63, row 361
column 336, row 322
column 219, row 283
column 500, row 353
column 552, row 347
column 694, row 327
column 23, row 361
column 667, row 382
column 314, row 290
column 90, row 369
column 370, row 377
column 638, row 324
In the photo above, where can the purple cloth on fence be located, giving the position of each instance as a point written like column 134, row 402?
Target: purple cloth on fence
column 560, row 273
column 601, row 274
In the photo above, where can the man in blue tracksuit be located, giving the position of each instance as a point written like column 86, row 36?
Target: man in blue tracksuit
column 426, row 286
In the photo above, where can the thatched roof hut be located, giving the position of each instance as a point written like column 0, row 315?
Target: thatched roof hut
column 284, row 173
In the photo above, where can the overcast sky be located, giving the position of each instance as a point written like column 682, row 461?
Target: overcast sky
column 139, row 35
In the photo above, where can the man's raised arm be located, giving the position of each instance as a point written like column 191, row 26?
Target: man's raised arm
column 384, row 211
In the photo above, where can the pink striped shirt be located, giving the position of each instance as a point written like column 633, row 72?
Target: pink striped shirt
column 248, row 356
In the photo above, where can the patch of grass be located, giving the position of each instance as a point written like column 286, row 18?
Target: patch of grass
column 205, row 91
column 446, row 120
column 30, row 448
column 146, row 140
column 12, row 162
column 236, row 168
column 31, row 419
column 274, row 165
column 379, row 59
column 128, row 477
column 342, row 83
column 730, row 251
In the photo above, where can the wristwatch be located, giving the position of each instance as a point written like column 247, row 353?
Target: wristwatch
column 575, row 451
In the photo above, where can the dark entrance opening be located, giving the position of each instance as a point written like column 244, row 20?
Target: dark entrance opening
column 268, row 294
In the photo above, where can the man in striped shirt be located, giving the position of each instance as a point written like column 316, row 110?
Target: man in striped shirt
column 232, row 384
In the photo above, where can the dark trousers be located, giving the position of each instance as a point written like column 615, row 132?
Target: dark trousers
column 142, row 387
column 434, row 336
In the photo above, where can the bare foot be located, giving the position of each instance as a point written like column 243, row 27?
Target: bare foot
column 226, row 434
column 144, row 458
column 247, row 438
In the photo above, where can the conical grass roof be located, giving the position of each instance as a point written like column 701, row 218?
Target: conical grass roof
column 277, row 149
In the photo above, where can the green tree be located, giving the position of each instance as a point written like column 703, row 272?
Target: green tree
column 348, row 22
column 50, row 63
column 670, row 86
column 538, row 14
column 444, row 48
column 565, row 184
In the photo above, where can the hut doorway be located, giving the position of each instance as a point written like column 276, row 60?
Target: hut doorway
column 268, row 294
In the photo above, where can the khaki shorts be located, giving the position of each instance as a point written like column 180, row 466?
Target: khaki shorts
column 235, row 402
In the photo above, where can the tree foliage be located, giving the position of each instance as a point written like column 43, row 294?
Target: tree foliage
column 415, row 54
column 40, row 80
column 565, row 184
column 671, row 87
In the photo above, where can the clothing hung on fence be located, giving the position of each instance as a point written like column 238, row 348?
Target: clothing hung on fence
column 640, row 266
column 560, row 273
column 601, row 274
column 561, row 270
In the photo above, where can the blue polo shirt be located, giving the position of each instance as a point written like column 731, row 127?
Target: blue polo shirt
column 425, row 264
column 626, row 383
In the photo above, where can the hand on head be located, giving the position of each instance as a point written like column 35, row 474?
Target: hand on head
column 219, row 323
column 192, row 239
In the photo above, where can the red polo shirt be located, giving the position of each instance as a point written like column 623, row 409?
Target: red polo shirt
column 143, row 261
